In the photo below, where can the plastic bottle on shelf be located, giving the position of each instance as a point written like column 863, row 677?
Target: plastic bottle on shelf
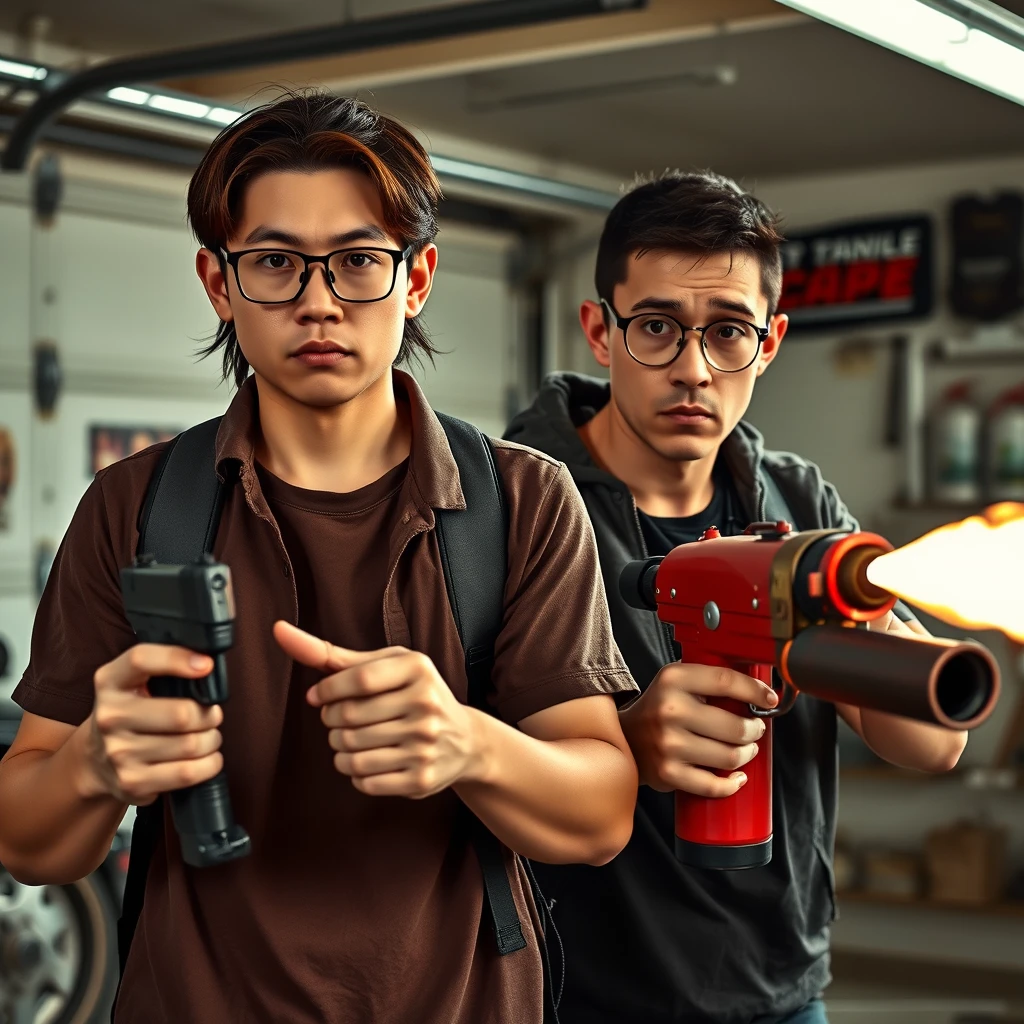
column 954, row 464
column 1005, row 447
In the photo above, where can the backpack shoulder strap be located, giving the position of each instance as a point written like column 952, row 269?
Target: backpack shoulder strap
column 474, row 555
column 474, row 546
column 179, row 517
column 177, row 524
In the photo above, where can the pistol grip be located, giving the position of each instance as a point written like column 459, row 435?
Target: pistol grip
column 207, row 690
column 206, row 825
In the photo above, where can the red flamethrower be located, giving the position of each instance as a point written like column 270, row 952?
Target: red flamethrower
column 798, row 604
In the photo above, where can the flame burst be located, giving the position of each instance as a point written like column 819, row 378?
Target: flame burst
column 969, row 574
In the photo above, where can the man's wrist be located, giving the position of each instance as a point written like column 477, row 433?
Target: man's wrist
column 628, row 719
column 85, row 778
column 480, row 752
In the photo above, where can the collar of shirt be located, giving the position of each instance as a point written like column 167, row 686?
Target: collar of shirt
column 433, row 478
column 432, row 481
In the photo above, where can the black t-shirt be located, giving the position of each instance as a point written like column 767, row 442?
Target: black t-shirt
column 653, row 941
column 662, row 534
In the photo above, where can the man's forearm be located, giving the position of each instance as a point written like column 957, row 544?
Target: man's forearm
column 50, row 831
column 906, row 743
column 557, row 801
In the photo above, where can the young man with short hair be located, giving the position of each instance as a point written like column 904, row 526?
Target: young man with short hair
column 348, row 745
column 688, row 281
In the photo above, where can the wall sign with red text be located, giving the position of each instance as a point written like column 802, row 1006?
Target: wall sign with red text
column 860, row 273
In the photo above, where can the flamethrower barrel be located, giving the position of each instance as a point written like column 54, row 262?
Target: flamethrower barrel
column 942, row 682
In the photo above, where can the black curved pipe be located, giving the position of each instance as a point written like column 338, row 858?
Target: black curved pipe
column 445, row 22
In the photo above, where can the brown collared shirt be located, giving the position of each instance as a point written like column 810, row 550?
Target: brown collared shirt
column 350, row 908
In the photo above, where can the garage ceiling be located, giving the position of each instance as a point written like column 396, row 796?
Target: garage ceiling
column 802, row 97
column 806, row 98
column 121, row 27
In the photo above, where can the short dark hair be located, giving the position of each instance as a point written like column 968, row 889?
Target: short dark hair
column 313, row 131
column 700, row 212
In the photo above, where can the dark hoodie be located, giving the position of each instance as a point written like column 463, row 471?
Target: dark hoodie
column 646, row 938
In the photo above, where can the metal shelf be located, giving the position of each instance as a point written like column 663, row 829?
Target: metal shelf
column 1004, row 909
column 1002, row 346
column 1011, row 358
column 1009, row 780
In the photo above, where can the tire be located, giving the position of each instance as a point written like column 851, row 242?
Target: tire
column 58, row 952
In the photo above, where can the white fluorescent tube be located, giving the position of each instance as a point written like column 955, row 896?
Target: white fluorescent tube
column 935, row 38
column 175, row 105
column 15, row 67
column 128, row 95
column 223, row 115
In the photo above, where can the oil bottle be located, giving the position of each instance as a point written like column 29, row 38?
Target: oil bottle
column 954, row 435
column 1005, row 447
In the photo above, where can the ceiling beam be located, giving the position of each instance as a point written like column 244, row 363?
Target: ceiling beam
column 662, row 22
column 444, row 23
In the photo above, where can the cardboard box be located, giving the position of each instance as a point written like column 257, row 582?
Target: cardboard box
column 893, row 874
column 966, row 863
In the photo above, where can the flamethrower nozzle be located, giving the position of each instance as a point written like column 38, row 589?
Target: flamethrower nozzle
column 831, row 578
column 852, row 578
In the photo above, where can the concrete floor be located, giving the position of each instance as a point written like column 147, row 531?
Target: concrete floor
column 867, row 1003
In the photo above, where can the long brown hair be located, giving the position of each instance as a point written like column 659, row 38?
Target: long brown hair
column 311, row 131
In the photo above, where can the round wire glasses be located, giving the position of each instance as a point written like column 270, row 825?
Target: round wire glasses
column 656, row 339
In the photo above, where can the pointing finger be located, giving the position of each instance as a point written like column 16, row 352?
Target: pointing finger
column 316, row 653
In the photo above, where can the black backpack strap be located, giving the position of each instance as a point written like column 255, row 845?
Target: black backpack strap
column 476, row 586
column 474, row 554
column 145, row 835
column 182, row 509
column 177, row 524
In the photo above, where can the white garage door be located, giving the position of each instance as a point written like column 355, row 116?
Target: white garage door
column 112, row 283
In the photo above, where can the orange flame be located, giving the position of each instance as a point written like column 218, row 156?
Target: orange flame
column 969, row 574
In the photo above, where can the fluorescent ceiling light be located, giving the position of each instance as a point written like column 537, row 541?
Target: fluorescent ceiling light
column 223, row 115
column 949, row 40
column 182, row 106
column 125, row 94
column 19, row 70
column 193, row 110
column 176, row 105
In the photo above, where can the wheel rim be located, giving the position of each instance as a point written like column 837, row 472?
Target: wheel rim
column 41, row 956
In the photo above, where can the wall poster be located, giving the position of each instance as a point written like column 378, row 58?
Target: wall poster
column 853, row 274
column 110, row 444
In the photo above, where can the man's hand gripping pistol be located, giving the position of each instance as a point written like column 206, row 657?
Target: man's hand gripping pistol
column 191, row 606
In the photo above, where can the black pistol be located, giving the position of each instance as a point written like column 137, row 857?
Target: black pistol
column 191, row 606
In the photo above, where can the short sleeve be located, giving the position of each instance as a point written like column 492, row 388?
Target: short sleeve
column 80, row 622
column 556, row 643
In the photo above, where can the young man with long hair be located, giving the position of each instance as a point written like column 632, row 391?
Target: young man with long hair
column 348, row 745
